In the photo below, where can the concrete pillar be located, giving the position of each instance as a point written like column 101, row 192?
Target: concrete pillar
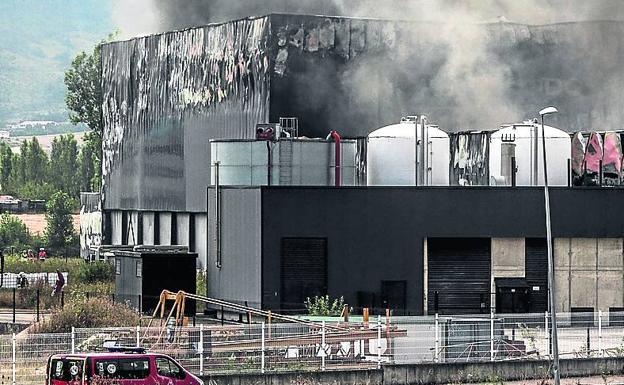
column 116, row 227
column 165, row 228
column 148, row 228
column 201, row 240
column 183, row 220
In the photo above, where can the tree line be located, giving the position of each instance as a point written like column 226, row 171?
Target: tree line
column 31, row 174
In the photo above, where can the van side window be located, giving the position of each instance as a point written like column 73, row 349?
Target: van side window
column 167, row 368
column 125, row 368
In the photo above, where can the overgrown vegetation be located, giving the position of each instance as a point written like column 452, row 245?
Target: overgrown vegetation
column 91, row 313
column 86, row 280
column 324, row 305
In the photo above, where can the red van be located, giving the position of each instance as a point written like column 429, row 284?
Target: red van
column 117, row 367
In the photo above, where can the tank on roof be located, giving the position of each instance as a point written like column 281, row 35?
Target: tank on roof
column 285, row 162
column 521, row 141
column 390, row 155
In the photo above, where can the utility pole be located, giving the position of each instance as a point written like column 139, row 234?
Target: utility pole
column 551, row 264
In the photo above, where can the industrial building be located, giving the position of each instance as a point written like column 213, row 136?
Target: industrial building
column 450, row 250
column 316, row 208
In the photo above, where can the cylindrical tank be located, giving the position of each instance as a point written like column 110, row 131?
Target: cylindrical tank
column 294, row 161
column 527, row 138
column 391, row 150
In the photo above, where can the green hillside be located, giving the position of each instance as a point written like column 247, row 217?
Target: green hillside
column 38, row 39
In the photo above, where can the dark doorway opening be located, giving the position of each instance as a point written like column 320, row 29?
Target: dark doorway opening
column 393, row 296
column 303, row 271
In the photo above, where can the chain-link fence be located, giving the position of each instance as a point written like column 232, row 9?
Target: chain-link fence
column 270, row 347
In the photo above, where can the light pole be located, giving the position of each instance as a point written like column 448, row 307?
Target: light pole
column 551, row 262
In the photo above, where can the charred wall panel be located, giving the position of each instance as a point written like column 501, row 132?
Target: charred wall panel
column 165, row 96
column 90, row 222
column 470, row 159
column 356, row 75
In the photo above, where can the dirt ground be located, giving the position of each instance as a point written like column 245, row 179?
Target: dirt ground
column 36, row 223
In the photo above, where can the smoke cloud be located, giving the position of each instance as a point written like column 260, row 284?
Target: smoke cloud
column 466, row 74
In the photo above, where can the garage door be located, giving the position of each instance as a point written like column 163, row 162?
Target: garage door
column 304, row 270
column 459, row 275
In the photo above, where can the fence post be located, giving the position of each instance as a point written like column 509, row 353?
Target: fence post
column 14, row 303
column 201, row 349
column 600, row 351
column 323, row 346
column 73, row 340
column 138, row 336
column 378, row 342
column 263, row 347
column 14, row 359
column 436, row 331
column 547, row 332
column 38, row 293
column 491, row 336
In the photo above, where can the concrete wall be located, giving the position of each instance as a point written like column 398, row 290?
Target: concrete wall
column 589, row 272
column 508, row 261
column 430, row 373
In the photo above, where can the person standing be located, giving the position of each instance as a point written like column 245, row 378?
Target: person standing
column 59, row 284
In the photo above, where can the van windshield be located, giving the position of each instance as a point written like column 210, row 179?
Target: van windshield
column 122, row 368
column 66, row 369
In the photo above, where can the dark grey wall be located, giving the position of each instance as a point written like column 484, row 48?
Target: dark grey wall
column 376, row 234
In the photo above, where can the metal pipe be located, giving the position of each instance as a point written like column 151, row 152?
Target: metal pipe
column 569, row 172
column 422, row 181
column 513, row 171
column 337, row 161
column 269, row 162
column 416, row 151
column 551, row 265
column 217, row 217
column 535, row 151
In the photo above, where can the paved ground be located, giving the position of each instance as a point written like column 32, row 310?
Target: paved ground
column 21, row 316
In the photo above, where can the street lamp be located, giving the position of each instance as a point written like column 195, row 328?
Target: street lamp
column 551, row 262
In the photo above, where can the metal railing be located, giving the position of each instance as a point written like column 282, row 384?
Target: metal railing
column 264, row 347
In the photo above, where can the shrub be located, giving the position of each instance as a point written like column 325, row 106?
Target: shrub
column 13, row 232
column 324, row 306
column 94, row 272
column 92, row 313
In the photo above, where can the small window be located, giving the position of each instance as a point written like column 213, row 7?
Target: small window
column 66, row 369
column 139, row 268
column 129, row 369
column 167, row 368
column 117, row 266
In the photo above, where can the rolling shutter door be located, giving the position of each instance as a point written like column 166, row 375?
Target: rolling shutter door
column 459, row 275
column 303, row 270
column 537, row 274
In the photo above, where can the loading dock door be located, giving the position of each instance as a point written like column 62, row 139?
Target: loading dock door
column 303, row 271
column 459, row 275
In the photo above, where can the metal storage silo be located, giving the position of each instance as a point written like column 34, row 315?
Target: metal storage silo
column 523, row 142
column 285, row 162
column 391, row 154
